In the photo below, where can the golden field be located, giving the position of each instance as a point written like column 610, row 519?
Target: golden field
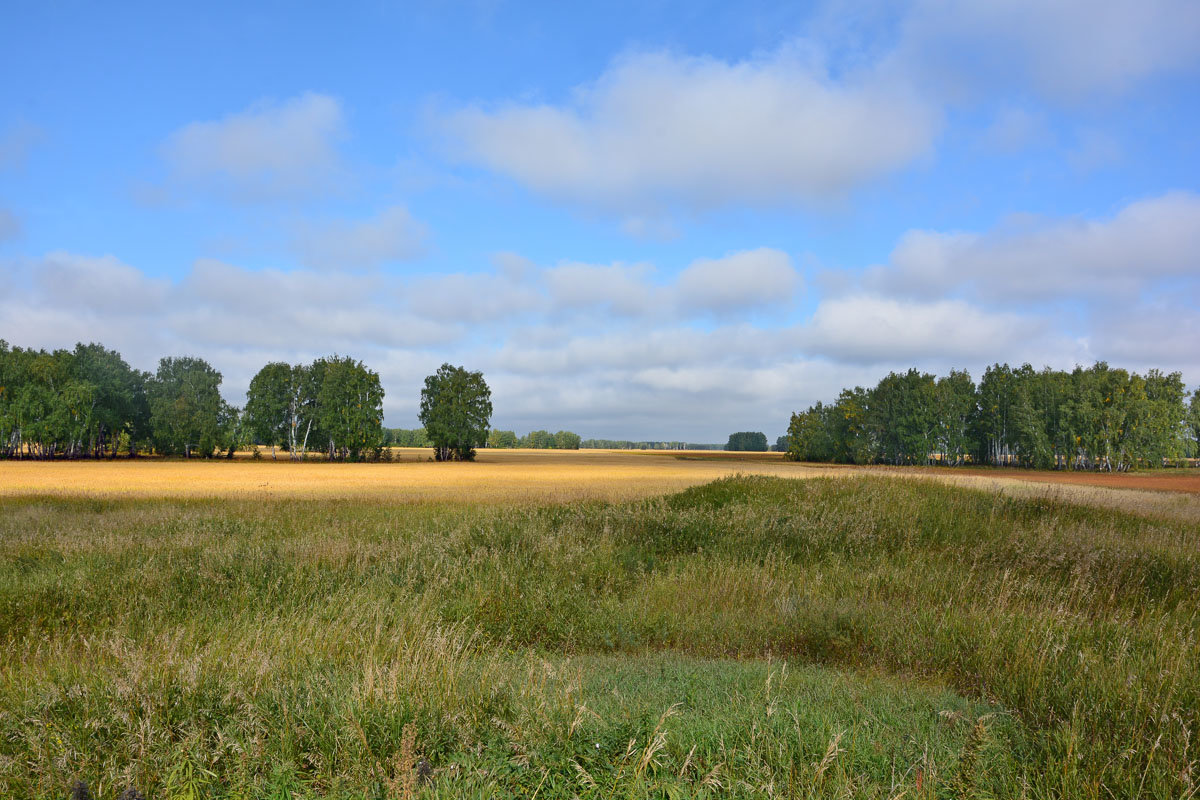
column 537, row 476
column 498, row 476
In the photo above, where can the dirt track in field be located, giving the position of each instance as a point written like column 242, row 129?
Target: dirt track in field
column 1167, row 480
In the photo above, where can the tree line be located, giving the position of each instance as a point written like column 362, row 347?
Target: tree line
column 89, row 403
column 626, row 444
column 1091, row 418
column 537, row 440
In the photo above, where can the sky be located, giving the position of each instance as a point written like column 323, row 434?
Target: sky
column 641, row 220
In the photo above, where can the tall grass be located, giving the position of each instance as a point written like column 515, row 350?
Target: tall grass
column 753, row 636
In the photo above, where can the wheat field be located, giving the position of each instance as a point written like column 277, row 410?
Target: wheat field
column 497, row 476
column 530, row 476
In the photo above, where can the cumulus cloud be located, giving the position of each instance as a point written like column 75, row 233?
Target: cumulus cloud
column 658, row 127
column 621, row 289
column 1062, row 49
column 739, row 281
column 268, row 151
column 474, row 298
column 1158, row 333
column 879, row 330
column 391, row 235
column 103, row 284
column 1036, row 259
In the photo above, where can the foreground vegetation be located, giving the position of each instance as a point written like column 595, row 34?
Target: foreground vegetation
column 750, row 637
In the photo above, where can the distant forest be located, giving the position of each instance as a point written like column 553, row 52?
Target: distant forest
column 1092, row 418
column 623, row 444
column 89, row 403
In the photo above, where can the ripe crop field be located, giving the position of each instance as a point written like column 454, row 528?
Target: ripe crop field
column 498, row 476
column 594, row 625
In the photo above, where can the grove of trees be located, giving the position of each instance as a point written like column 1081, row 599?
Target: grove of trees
column 625, row 444
column 456, row 407
column 538, row 440
column 89, row 403
column 335, row 402
column 85, row 402
column 406, row 437
column 1092, row 418
column 187, row 413
column 747, row 440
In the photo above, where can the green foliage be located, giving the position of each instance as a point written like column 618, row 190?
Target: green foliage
column 69, row 403
column 406, row 437
column 1091, row 418
column 503, row 439
column 1191, row 427
column 336, row 401
column 271, row 403
column 456, row 407
column 88, row 402
column 859, row 637
column 348, row 407
column 626, row 444
column 566, row 440
column 538, row 440
column 187, row 414
column 747, row 440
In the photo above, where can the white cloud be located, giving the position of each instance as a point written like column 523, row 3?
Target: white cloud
column 621, row 289
column 739, row 281
column 1063, row 49
column 476, row 299
column 270, row 150
column 102, row 284
column 1051, row 260
column 217, row 283
column 658, row 128
column 879, row 330
column 391, row 235
column 10, row 225
column 654, row 228
column 1160, row 334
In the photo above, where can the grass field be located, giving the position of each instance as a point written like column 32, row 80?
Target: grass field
column 555, row 625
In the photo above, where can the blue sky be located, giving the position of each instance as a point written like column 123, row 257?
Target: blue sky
column 642, row 220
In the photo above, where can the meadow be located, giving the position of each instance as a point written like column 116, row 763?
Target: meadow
column 592, row 625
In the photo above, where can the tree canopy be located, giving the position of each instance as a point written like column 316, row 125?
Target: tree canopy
column 335, row 401
column 187, row 413
column 1096, row 417
column 747, row 440
column 456, row 409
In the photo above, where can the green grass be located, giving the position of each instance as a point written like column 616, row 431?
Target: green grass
column 753, row 637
